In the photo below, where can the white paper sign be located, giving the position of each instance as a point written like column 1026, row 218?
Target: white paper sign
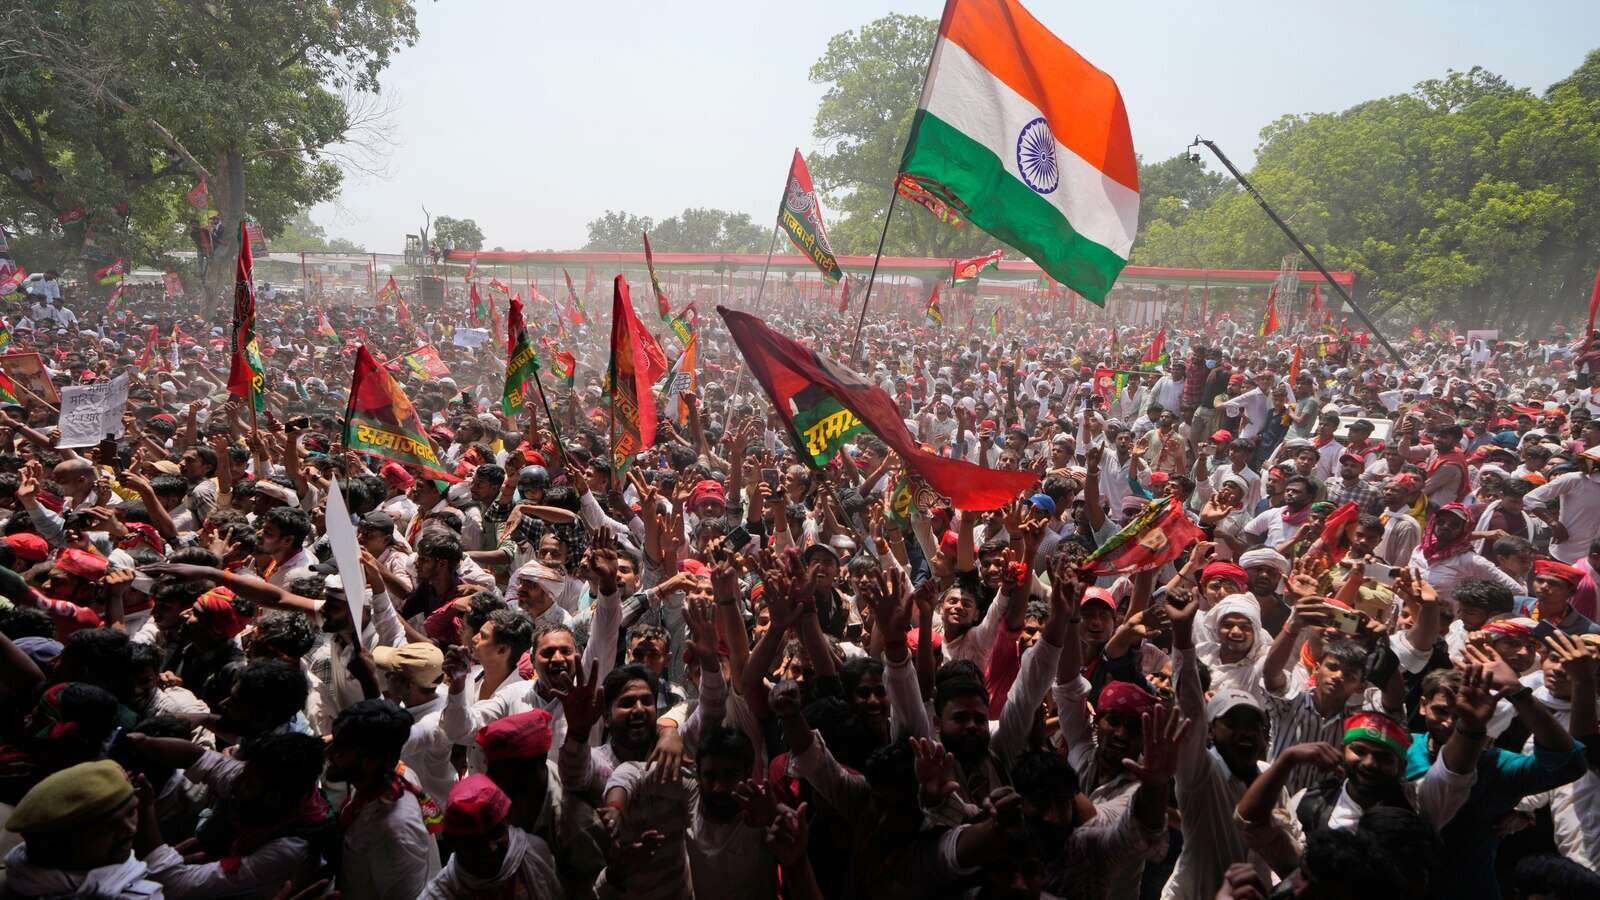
column 470, row 338
column 346, row 551
column 89, row 412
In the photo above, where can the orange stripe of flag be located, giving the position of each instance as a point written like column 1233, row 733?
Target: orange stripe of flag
column 1077, row 99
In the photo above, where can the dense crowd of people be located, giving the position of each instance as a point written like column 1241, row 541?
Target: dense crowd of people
column 716, row 671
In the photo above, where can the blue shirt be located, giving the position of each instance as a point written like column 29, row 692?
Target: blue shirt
column 1504, row 778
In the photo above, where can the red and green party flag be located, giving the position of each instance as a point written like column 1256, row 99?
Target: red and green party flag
column 1269, row 319
column 663, row 307
column 246, row 376
column 5, row 336
column 564, row 364
column 912, row 189
column 933, row 312
column 478, row 311
column 8, row 390
column 496, row 285
column 1156, row 355
column 522, row 364
column 1155, row 537
column 10, row 283
column 823, row 403
column 636, row 363
column 381, row 421
column 323, row 328
column 574, row 299
column 800, row 217
column 966, row 270
column 113, row 273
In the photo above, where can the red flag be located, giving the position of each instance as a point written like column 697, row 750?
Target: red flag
column 1154, row 538
column 1294, row 364
column 380, row 420
column 473, row 303
column 1594, row 304
column 496, row 285
column 632, row 374
column 588, row 281
column 798, row 381
column 844, row 294
column 663, row 308
column 198, row 196
column 1158, row 346
column 245, row 376
column 1269, row 319
column 1316, row 300
column 574, row 305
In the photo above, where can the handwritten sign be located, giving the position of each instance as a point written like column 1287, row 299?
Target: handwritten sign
column 90, row 412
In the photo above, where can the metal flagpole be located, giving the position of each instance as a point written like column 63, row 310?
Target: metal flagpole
column 770, row 249
column 855, row 349
column 554, row 429
column 1295, row 239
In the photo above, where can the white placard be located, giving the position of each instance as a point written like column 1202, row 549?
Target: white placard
column 346, row 551
column 470, row 338
column 90, row 412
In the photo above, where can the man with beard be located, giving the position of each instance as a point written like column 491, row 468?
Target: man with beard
column 1371, row 765
column 498, row 688
column 1266, row 569
column 491, row 857
column 1281, row 523
column 961, row 702
column 389, row 848
column 207, row 654
column 78, row 828
column 1208, row 482
column 68, row 593
column 1210, row 782
column 272, row 825
column 1504, row 778
column 1401, row 531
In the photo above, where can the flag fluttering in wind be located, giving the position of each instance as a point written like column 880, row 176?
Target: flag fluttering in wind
column 1157, row 352
column 8, row 390
column 1594, row 305
column 823, row 403
column 1294, row 364
column 575, row 301
column 1155, row 537
column 113, row 273
column 844, row 295
column 1028, row 141
column 199, row 196
column 389, row 291
column 663, row 306
column 472, row 270
column 681, row 379
column 1269, row 319
column 10, row 283
column 477, row 309
column 521, row 363
column 966, row 270
column 911, row 189
column 564, row 364
column 323, row 328
column 800, row 217
column 636, row 363
column 5, row 336
column 496, row 285
column 380, row 420
column 933, row 311
column 246, row 376
column 147, row 356
column 423, row 362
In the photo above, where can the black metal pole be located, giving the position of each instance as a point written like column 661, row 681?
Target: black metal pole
column 855, row 348
column 1299, row 244
column 555, row 430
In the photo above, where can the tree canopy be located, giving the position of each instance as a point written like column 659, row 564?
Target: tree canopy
column 696, row 229
column 112, row 110
column 457, row 234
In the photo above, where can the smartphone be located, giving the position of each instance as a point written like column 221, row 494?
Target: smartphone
column 770, row 478
column 1543, row 630
column 1348, row 621
column 737, row 538
column 1380, row 572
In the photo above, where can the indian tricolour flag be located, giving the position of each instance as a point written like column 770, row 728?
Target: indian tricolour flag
column 1029, row 142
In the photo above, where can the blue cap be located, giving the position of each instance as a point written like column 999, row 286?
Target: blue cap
column 1043, row 503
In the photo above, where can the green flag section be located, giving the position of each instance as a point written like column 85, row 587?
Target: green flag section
column 8, row 390
column 966, row 270
column 1154, row 538
column 380, row 420
column 1028, row 141
column 800, row 217
column 522, row 364
column 797, row 380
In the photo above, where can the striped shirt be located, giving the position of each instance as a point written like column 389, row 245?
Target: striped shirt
column 1294, row 719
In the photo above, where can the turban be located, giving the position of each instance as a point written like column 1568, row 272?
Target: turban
column 1553, row 569
column 1237, row 604
column 1519, row 629
column 477, row 806
column 552, row 581
column 526, row 735
column 1124, row 697
column 143, row 531
column 82, row 563
column 1226, row 570
column 1403, row 481
column 215, row 608
column 73, row 797
column 1263, row 556
column 707, row 490
column 1379, row 729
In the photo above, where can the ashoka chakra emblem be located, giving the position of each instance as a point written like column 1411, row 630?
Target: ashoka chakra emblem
column 1036, row 156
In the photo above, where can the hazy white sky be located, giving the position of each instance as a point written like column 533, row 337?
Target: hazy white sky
column 533, row 117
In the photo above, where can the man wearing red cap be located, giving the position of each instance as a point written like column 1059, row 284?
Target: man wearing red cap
column 1554, row 583
column 69, row 591
column 491, row 857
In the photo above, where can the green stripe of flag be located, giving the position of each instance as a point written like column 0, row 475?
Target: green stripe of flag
column 1008, row 209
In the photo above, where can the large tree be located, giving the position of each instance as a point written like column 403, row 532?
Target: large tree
column 695, row 230
column 874, row 77
column 111, row 110
column 457, row 234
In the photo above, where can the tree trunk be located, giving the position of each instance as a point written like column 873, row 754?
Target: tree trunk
column 228, row 197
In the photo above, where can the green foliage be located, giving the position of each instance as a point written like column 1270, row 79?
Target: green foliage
column 124, row 103
column 457, row 234
column 1465, row 200
column 695, row 230
column 299, row 233
column 874, row 77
